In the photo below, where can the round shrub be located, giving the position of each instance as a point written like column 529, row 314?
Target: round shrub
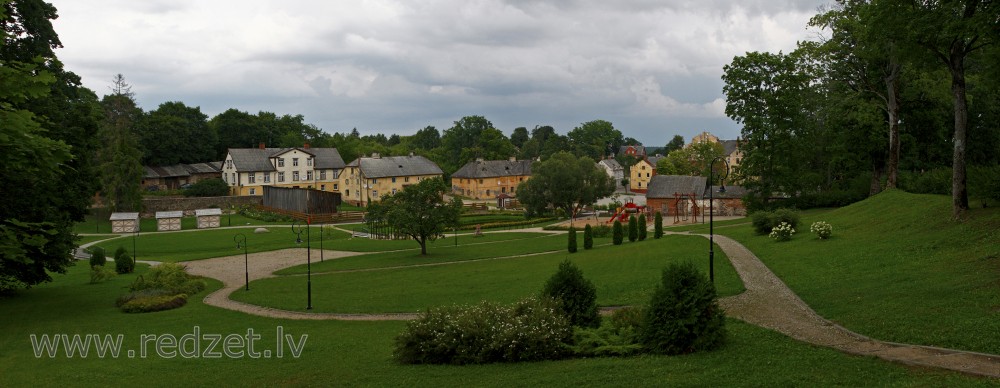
column 576, row 296
column 530, row 330
column 588, row 237
column 789, row 216
column 97, row 257
column 571, row 244
column 642, row 227
column 782, row 232
column 683, row 315
column 633, row 229
column 214, row 187
column 617, row 234
column 170, row 277
column 658, row 225
column 822, row 229
column 761, row 221
column 123, row 262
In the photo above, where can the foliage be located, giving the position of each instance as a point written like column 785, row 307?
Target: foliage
column 588, row 237
column 571, row 247
column 821, row 229
column 633, row 228
column 253, row 212
column 176, row 133
column 504, row 224
column 473, row 137
column 618, row 336
column 170, row 277
column 97, row 257
column 150, row 304
column 418, row 211
column 213, row 187
column 595, row 139
column 683, row 315
column 564, row 182
column 98, row 273
column 123, row 262
column 529, row 330
column 658, row 225
column 693, row 160
column 120, row 158
column 642, row 226
column 764, row 221
column 782, row 232
column 617, row 234
column 576, row 296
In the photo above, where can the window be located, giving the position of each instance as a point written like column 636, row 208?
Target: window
column 309, row 175
column 374, row 193
column 406, row 179
column 348, row 192
column 295, row 176
column 225, row 178
column 647, row 175
column 229, row 164
column 253, row 191
column 487, row 193
column 234, row 177
column 394, row 191
column 251, row 178
column 322, row 175
column 503, row 189
column 335, row 187
column 309, row 162
column 295, row 162
column 480, row 181
column 267, row 177
column 281, row 162
column 374, row 181
column 281, row 176
column 393, row 179
column 322, row 187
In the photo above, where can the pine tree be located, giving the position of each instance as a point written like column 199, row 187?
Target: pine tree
column 617, row 234
column 588, row 237
column 633, row 229
column 658, row 225
column 572, row 240
column 642, row 227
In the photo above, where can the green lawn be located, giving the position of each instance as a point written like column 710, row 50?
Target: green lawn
column 359, row 353
column 897, row 269
column 624, row 275
column 99, row 223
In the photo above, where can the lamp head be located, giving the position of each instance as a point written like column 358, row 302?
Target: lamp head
column 298, row 240
column 722, row 189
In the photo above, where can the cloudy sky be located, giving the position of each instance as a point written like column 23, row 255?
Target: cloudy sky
column 650, row 67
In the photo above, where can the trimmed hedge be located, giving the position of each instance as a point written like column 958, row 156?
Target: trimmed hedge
column 617, row 234
column 642, row 227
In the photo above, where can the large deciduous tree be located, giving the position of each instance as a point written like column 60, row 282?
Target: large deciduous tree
column 564, row 181
column 418, row 211
column 594, row 138
column 176, row 133
column 473, row 137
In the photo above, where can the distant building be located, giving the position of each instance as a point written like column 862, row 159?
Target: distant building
column 172, row 177
column 368, row 179
column 488, row 179
column 669, row 194
column 613, row 169
column 731, row 148
column 248, row 170
column 636, row 151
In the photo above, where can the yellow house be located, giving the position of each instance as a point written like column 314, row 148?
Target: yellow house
column 641, row 173
column 368, row 179
column 248, row 170
column 487, row 179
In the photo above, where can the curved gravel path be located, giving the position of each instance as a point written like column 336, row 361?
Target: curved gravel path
column 767, row 302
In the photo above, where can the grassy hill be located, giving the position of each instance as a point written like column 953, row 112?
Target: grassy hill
column 897, row 268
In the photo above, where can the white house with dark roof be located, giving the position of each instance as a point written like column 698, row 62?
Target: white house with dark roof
column 613, row 169
column 487, row 179
column 368, row 179
column 248, row 170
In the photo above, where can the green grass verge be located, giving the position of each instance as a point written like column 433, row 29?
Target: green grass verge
column 99, row 223
column 359, row 353
column 624, row 275
column 898, row 269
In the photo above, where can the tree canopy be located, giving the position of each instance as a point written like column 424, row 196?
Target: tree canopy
column 565, row 182
column 418, row 211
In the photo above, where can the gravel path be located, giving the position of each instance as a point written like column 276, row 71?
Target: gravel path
column 767, row 302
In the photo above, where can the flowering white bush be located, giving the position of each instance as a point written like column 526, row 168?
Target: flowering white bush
column 822, row 229
column 782, row 232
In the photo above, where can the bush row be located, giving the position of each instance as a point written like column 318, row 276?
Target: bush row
column 764, row 221
column 505, row 224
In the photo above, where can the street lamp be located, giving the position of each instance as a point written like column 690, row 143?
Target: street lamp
column 321, row 232
column 241, row 242
column 135, row 235
column 711, row 213
column 297, row 229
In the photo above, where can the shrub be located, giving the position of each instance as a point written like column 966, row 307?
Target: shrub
column 588, row 237
column 601, row 231
column 789, row 216
column 154, row 303
column 170, row 277
column 617, row 234
column 576, row 296
column 683, row 315
column 123, row 262
column 761, row 221
column 572, row 240
column 658, row 225
column 782, row 232
column 97, row 257
column 99, row 274
column 530, row 330
column 822, row 229
column 147, row 293
column 633, row 229
column 618, row 336
column 214, row 187
column 10, row 284
column 642, row 227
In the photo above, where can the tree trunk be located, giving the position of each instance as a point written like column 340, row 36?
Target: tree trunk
column 959, row 192
column 876, row 183
column 423, row 246
column 892, row 103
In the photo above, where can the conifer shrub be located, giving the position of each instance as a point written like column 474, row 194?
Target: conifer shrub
column 575, row 295
column 658, row 225
column 618, row 336
column 123, row 262
column 530, row 330
column 617, row 234
column 588, row 237
column 633, row 229
column 571, row 247
column 642, row 227
column 98, row 273
column 171, row 277
column 683, row 316
column 97, row 257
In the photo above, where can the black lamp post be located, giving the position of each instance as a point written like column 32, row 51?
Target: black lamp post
column 135, row 235
column 241, row 242
column 711, row 213
column 297, row 229
column 322, row 230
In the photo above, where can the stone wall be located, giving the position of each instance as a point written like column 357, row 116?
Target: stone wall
column 190, row 204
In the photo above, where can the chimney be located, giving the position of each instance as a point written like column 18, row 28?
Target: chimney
column 306, row 145
column 261, row 145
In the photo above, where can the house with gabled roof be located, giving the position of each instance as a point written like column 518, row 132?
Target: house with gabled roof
column 488, row 179
column 174, row 176
column 613, row 169
column 669, row 194
column 368, row 179
column 637, row 151
column 248, row 170
column 641, row 173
